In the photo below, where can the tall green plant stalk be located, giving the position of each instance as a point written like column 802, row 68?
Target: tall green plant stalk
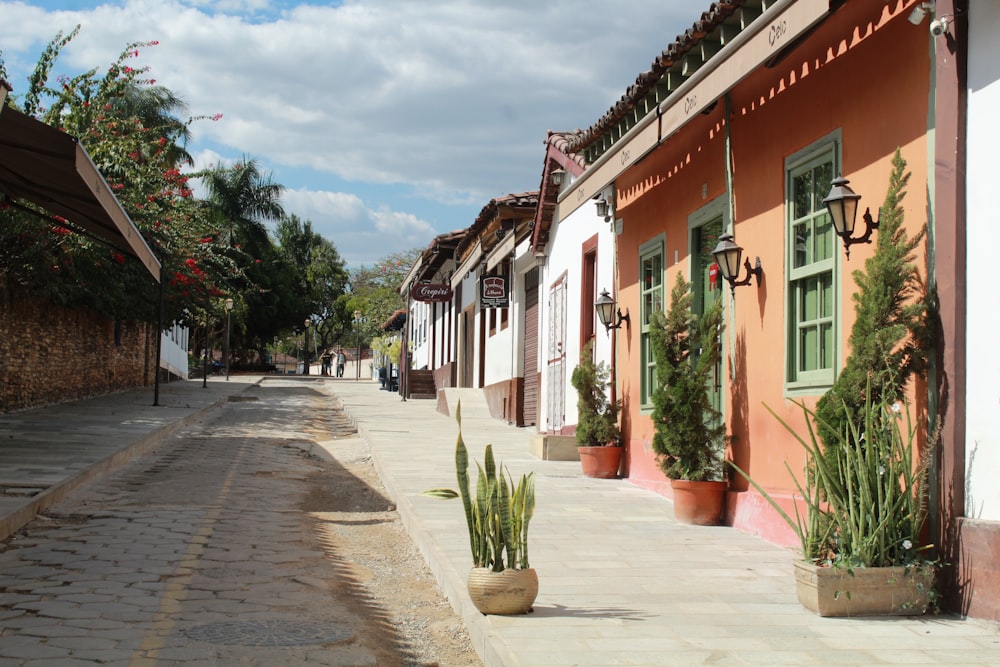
column 867, row 505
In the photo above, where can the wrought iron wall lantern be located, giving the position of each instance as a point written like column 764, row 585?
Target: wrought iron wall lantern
column 842, row 203
column 606, row 312
column 603, row 209
column 557, row 176
column 727, row 255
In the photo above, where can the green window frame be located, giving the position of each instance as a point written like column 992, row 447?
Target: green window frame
column 812, row 286
column 651, row 299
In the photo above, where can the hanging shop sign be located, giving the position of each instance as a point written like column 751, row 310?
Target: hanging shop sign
column 431, row 292
column 493, row 292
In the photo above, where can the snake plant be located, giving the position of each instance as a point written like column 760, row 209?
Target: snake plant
column 500, row 512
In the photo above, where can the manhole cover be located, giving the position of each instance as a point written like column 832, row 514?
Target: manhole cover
column 269, row 633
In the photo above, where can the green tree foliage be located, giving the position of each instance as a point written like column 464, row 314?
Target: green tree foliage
column 689, row 438
column 375, row 291
column 889, row 338
column 319, row 278
column 131, row 130
column 242, row 199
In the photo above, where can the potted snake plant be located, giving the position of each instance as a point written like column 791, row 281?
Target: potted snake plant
column 497, row 515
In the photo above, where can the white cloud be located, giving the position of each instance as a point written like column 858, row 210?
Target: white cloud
column 448, row 100
column 362, row 235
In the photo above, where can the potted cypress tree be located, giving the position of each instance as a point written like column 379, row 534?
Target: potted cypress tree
column 865, row 480
column 598, row 437
column 689, row 437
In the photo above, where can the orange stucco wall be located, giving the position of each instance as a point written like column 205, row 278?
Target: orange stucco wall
column 864, row 72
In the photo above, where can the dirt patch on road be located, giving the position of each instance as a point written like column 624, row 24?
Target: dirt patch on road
column 377, row 563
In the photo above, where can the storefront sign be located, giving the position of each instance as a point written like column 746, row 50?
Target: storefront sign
column 431, row 292
column 493, row 293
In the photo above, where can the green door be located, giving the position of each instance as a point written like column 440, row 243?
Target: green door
column 708, row 287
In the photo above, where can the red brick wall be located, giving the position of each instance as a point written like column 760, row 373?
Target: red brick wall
column 50, row 354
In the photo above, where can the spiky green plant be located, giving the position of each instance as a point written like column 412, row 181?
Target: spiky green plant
column 867, row 506
column 499, row 515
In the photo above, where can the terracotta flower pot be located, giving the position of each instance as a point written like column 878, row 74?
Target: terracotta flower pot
column 505, row 593
column 698, row 503
column 600, row 462
column 864, row 591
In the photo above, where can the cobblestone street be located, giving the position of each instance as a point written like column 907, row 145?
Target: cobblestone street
column 222, row 547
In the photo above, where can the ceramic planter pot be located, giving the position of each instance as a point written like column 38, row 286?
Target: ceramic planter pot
column 864, row 591
column 504, row 593
column 600, row 462
column 698, row 503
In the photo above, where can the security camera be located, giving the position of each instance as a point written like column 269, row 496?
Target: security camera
column 939, row 26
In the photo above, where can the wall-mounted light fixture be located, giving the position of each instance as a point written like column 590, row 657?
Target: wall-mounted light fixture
column 557, row 176
column 921, row 10
column 842, row 203
column 606, row 312
column 505, row 226
column 603, row 208
column 727, row 254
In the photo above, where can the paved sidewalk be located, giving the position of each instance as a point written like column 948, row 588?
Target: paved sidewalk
column 47, row 453
column 620, row 582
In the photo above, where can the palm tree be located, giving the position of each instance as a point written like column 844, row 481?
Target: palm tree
column 157, row 108
column 244, row 198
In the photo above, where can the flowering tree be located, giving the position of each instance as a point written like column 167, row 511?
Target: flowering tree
column 131, row 130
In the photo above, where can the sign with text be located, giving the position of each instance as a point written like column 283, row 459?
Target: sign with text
column 431, row 292
column 493, row 292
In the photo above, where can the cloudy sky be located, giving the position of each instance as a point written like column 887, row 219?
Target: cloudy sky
column 388, row 121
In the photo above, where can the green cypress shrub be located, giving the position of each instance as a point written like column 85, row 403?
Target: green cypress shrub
column 890, row 335
column 689, row 437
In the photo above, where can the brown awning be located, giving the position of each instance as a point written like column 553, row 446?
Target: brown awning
column 47, row 167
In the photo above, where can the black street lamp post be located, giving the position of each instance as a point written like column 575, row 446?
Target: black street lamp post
column 305, row 352
column 357, row 323
column 229, row 311
column 204, row 368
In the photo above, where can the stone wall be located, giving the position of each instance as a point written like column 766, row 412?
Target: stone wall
column 50, row 354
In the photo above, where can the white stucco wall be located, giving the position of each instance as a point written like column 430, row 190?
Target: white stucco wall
column 419, row 330
column 173, row 350
column 982, row 360
column 565, row 253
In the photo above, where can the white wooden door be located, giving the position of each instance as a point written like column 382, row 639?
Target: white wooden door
column 556, row 358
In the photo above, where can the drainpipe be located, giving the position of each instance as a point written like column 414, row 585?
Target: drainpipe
column 732, row 229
